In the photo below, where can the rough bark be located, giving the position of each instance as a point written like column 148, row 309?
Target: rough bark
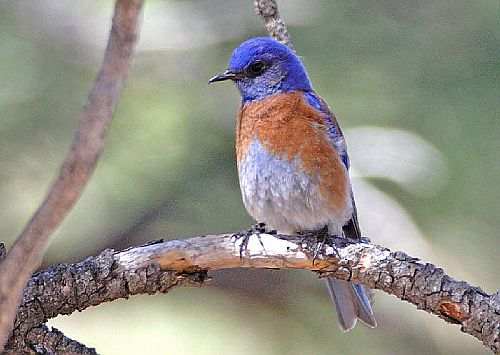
column 65, row 288
column 159, row 266
column 42, row 340
column 27, row 252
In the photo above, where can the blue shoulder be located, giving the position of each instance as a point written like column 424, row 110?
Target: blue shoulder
column 334, row 132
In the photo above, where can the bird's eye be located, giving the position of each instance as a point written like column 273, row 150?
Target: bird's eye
column 256, row 68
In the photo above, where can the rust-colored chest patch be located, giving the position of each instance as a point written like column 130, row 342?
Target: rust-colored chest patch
column 289, row 128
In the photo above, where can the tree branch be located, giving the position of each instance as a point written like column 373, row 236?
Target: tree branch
column 395, row 273
column 160, row 266
column 27, row 252
column 41, row 340
column 65, row 288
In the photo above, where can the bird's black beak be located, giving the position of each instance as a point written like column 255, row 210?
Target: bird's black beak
column 227, row 75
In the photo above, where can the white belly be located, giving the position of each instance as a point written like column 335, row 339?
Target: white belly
column 275, row 191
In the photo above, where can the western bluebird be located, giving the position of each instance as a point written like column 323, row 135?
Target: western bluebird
column 292, row 159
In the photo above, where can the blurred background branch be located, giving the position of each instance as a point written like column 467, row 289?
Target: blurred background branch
column 25, row 256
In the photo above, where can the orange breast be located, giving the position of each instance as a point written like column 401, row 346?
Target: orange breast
column 290, row 129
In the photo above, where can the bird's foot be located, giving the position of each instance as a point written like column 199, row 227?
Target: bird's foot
column 245, row 236
column 321, row 238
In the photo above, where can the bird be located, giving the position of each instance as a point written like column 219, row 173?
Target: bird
column 292, row 160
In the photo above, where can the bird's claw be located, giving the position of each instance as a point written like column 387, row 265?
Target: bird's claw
column 321, row 238
column 256, row 229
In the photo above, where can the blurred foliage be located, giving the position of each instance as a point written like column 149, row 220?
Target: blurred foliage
column 430, row 68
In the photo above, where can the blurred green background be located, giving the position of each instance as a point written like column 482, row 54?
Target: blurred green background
column 415, row 85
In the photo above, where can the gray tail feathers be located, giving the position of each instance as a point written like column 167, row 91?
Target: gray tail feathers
column 352, row 303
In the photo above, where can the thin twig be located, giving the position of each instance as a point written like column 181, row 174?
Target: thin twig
column 268, row 10
column 27, row 252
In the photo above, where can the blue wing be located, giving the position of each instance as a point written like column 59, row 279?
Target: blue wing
column 351, row 229
column 334, row 132
column 351, row 300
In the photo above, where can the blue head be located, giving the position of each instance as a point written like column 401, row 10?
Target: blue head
column 262, row 66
